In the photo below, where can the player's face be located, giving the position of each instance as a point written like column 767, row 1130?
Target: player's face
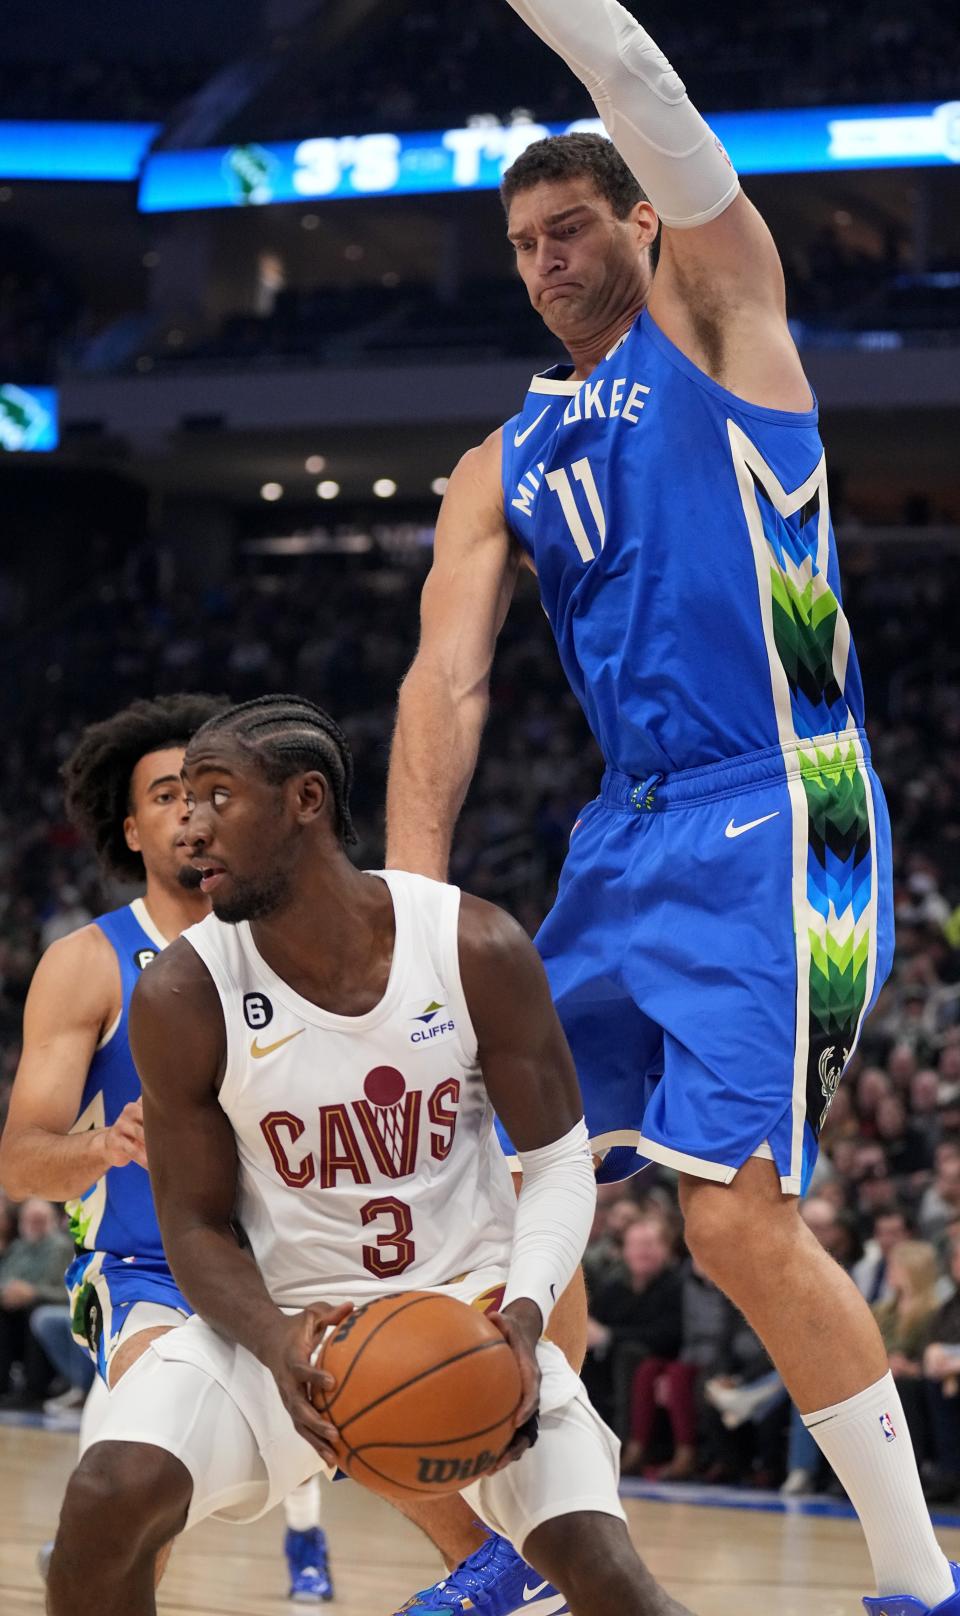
column 243, row 841
column 156, row 826
column 581, row 265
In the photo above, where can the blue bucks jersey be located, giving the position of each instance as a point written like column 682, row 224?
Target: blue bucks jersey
column 117, row 1214
column 686, row 559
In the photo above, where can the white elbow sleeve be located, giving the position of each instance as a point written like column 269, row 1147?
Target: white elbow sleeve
column 554, row 1214
column 643, row 102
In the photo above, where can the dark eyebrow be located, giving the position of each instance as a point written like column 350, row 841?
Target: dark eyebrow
column 196, row 769
column 163, row 780
column 554, row 218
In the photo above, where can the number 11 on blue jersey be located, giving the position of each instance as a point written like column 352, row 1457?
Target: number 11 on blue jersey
column 559, row 483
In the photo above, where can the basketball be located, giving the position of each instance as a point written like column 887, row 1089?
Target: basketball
column 425, row 1397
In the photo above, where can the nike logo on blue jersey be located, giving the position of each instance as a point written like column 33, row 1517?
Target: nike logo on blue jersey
column 733, row 830
column 520, row 438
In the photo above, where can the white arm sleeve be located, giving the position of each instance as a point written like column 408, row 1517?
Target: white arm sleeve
column 554, row 1214
column 660, row 135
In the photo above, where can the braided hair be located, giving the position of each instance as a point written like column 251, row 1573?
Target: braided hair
column 98, row 772
column 287, row 735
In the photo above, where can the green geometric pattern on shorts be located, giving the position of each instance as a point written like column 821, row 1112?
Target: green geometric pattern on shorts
column 839, row 888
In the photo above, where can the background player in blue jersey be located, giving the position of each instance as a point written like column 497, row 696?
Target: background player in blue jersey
column 724, row 918
column 75, row 1126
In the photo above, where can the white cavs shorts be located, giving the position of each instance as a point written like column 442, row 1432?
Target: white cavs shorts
column 217, row 1409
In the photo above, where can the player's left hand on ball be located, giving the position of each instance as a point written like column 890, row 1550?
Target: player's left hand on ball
column 520, row 1323
column 291, row 1363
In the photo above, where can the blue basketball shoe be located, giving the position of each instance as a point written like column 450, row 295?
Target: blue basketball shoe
column 307, row 1561
column 493, row 1582
column 906, row 1605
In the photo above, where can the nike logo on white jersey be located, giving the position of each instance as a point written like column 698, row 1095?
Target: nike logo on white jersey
column 550, row 1607
column 733, row 830
column 520, row 438
column 258, row 1050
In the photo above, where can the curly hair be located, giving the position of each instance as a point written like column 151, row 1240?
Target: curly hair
column 569, row 157
column 98, row 772
column 287, row 735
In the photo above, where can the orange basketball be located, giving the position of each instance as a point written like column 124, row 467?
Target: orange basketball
column 425, row 1397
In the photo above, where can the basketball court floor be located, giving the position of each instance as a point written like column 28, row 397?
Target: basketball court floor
column 719, row 1560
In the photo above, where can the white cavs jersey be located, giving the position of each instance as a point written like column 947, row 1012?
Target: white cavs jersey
column 367, row 1157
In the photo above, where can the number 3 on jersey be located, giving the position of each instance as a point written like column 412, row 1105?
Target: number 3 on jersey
column 395, row 1237
column 559, row 483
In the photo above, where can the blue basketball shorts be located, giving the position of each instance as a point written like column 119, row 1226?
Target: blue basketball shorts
column 103, row 1290
column 719, row 936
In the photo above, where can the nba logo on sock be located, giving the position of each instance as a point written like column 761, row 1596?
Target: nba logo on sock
column 886, row 1426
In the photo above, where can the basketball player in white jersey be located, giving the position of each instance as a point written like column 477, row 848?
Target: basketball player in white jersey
column 271, row 1040
column 74, row 1131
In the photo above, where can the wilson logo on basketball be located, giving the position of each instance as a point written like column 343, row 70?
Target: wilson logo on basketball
column 383, row 1135
column 440, row 1472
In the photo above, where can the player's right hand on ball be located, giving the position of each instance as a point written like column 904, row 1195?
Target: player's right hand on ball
column 123, row 1142
column 290, row 1361
column 521, row 1325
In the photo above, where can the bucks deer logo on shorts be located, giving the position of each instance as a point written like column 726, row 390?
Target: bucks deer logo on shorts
column 830, row 1075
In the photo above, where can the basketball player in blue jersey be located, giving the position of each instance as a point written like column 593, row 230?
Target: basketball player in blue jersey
column 75, row 1128
column 723, row 922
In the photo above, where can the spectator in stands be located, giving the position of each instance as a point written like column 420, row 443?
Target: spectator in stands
column 924, row 1105
column 904, row 1319
column 676, row 1384
column 603, row 1259
column 633, row 1316
column 941, row 1202
column 51, row 1323
column 871, row 1274
column 930, row 1398
column 872, row 1084
column 747, row 1409
column 902, row 1064
column 31, row 1272
column 904, row 1145
column 875, row 1193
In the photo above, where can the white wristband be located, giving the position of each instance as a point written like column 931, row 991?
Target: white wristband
column 643, row 102
column 554, row 1214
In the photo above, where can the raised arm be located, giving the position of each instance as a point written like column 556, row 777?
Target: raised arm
column 193, row 1170
column 445, row 696
column 719, row 290
column 73, row 1001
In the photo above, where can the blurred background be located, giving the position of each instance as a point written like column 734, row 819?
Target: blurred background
column 255, row 300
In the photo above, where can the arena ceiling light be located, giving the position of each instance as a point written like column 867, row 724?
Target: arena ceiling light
column 439, row 486
column 384, row 487
column 315, row 464
column 328, row 489
column 271, row 492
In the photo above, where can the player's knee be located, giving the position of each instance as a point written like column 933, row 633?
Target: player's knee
column 719, row 1232
column 728, row 1233
column 124, row 1499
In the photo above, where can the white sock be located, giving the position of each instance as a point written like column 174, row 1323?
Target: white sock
column 302, row 1507
column 867, row 1442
